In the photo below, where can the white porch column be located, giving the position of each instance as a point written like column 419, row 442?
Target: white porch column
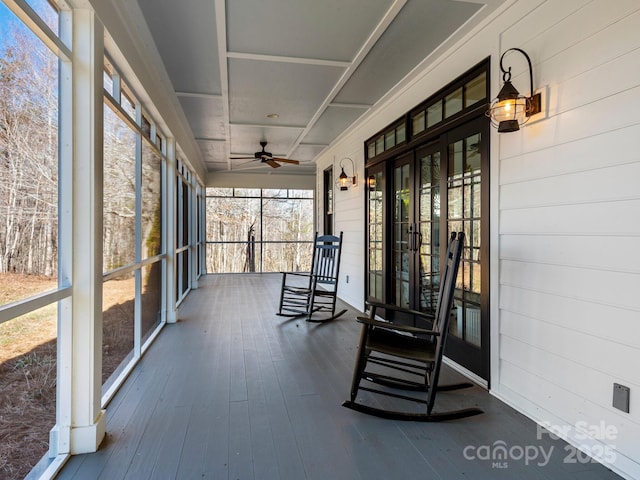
column 60, row 435
column 88, row 421
column 170, row 232
column 193, row 233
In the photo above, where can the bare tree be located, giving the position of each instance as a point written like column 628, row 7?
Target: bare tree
column 283, row 228
column 28, row 155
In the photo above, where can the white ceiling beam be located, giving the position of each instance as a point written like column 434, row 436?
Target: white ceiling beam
column 198, row 95
column 283, row 59
column 375, row 35
column 362, row 106
column 267, row 125
column 221, row 36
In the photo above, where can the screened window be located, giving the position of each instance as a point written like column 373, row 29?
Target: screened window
column 29, row 220
column 28, row 152
column 253, row 230
column 132, row 227
column 118, row 314
column 119, row 189
column 151, row 201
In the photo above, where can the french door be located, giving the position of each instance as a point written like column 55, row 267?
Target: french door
column 467, row 207
column 416, row 229
column 437, row 188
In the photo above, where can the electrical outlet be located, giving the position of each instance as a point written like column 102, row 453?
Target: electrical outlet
column 621, row 397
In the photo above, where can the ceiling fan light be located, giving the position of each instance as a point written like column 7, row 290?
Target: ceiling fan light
column 267, row 157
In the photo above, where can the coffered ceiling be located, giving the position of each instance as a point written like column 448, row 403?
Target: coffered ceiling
column 294, row 73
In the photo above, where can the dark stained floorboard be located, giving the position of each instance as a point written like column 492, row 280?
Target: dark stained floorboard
column 233, row 391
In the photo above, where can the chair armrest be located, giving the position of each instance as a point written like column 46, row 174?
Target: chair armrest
column 393, row 326
column 300, row 274
column 395, row 308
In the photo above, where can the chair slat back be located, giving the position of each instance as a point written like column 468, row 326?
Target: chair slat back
column 448, row 278
column 443, row 309
column 326, row 258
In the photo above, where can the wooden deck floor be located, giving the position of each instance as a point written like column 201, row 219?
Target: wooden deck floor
column 233, row 391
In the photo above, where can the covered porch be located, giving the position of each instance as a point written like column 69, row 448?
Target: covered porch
column 234, row 391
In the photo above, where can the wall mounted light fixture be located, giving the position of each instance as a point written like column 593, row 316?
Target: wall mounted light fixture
column 344, row 181
column 510, row 110
column 371, row 181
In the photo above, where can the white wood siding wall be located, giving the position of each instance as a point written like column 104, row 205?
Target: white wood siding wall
column 570, row 225
column 348, row 218
column 565, row 213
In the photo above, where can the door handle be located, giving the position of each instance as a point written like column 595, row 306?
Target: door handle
column 415, row 238
column 411, row 238
column 418, row 243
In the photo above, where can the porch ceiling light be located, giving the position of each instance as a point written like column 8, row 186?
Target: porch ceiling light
column 510, row 110
column 345, row 181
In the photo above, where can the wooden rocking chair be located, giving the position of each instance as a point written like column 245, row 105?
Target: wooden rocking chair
column 408, row 357
column 317, row 292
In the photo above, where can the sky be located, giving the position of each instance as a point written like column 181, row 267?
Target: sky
column 42, row 7
column 5, row 15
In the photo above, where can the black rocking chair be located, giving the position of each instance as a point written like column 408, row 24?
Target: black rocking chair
column 308, row 293
column 408, row 357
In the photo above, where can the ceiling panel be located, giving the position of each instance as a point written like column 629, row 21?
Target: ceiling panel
column 185, row 35
column 334, row 121
column 307, row 152
column 289, row 57
column 246, row 139
column 293, row 91
column 217, row 166
column 327, row 29
column 205, row 115
column 420, row 27
column 213, row 149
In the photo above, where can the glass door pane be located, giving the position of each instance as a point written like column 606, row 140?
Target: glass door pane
column 376, row 236
column 428, row 218
column 400, row 253
column 464, row 214
column 413, row 202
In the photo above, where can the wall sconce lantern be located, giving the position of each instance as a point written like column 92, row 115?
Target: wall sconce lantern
column 345, row 181
column 510, row 110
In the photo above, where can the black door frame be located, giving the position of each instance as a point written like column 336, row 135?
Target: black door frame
column 475, row 359
column 414, row 131
column 470, row 357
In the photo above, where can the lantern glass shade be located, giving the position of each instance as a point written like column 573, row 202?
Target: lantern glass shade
column 508, row 112
column 343, row 181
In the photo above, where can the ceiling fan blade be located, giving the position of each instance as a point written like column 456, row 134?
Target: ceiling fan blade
column 272, row 163
column 287, row 160
column 242, row 158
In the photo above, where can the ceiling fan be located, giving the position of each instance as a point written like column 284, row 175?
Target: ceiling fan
column 267, row 157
